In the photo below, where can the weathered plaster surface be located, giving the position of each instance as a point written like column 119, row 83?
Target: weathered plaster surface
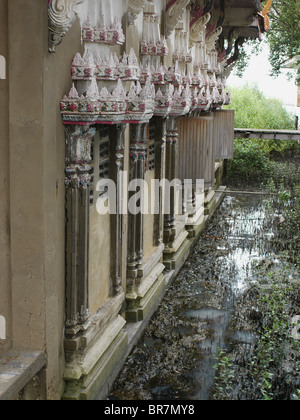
column 5, row 293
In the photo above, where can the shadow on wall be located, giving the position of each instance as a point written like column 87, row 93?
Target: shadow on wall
column 2, row 67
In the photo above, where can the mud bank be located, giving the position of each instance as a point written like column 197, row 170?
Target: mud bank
column 211, row 306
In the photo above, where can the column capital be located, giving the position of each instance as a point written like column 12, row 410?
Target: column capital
column 78, row 155
column 172, row 130
column 138, row 141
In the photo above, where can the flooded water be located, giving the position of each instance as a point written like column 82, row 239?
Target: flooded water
column 177, row 355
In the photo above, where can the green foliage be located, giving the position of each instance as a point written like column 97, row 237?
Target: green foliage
column 225, row 376
column 290, row 201
column 283, row 37
column 296, row 396
column 284, row 34
column 263, row 375
column 251, row 161
column 254, row 110
column 284, row 175
column 275, row 335
column 246, row 51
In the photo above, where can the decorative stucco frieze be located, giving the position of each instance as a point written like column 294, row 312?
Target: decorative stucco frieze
column 135, row 7
column 158, row 48
column 104, row 34
column 61, row 16
column 164, row 101
column 89, row 66
column 97, row 107
column 182, row 101
column 182, row 53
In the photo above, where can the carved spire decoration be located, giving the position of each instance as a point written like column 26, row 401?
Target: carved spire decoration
column 135, row 7
column 175, row 9
column 61, row 16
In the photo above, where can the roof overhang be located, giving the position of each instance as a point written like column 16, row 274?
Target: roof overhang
column 244, row 16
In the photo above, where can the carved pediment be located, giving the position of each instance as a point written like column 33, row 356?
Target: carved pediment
column 61, row 16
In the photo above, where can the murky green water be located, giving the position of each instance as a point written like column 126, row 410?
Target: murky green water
column 176, row 357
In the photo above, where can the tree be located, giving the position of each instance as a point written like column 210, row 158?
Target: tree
column 254, row 110
column 252, row 157
column 284, row 34
column 283, row 37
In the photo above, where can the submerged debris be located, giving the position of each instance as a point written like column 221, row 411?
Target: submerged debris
column 216, row 304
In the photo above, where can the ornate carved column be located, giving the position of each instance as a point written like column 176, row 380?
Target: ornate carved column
column 160, row 150
column 61, row 16
column 171, row 175
column 138, row 155
column 78, row 159
column 117, row 132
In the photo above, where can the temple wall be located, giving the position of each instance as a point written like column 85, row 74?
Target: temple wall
column 100, row 260
column 5, row 275
column 77, row 288
column 27, row 163
column 55, row 83
column 32, row 231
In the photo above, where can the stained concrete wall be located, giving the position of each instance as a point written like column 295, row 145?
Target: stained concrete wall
column 5, row 286
column 32, row 205
column 99, row 260
column 56, row 83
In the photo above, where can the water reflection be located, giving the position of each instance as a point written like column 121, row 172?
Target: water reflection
column 176, row 357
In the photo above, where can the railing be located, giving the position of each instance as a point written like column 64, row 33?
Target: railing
column 249, row 133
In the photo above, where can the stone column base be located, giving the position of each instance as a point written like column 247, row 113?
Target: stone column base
column 149, row 279
column 92, row 358
column 210, row 201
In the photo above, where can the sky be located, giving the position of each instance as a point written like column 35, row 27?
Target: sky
column 259, row 72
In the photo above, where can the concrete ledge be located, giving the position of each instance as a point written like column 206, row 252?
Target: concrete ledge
column 142, row 306
column 176, row 245
column 219, row 197
column 84, row 363
column 16, row 370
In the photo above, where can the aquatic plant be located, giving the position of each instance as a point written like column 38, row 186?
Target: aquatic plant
column 225, row 375
column 275, row 336
column 271, row 369
column 250, row 164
